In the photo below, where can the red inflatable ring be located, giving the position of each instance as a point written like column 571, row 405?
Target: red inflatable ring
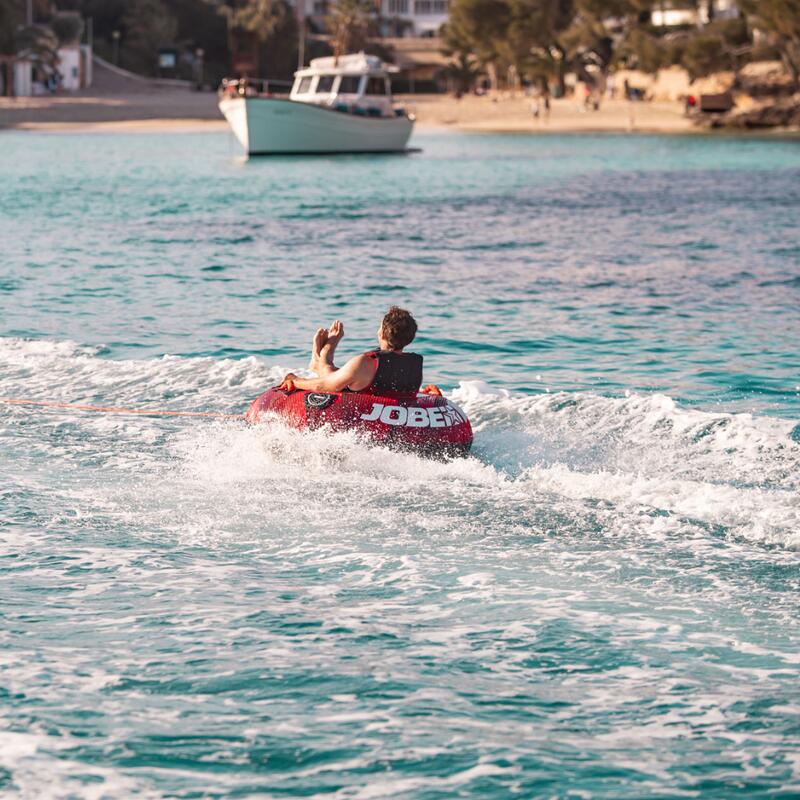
column 429, row 424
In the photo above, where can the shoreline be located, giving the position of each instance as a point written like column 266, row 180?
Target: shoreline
column 154, row 125
column 176, row 111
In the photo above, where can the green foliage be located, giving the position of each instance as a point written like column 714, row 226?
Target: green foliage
column 674, row 48
column 704, row 54
column 262, row 17
column 148, row 25
column 14, row 35
column 715, row 48
column 481, row 26
column 279, row 51
column 780, row 21
column 201, row 26
column 546, row 38
column 106, row 16
column 734, row 32
column 641, row 50
column 349, row 23
column 67, row 26
column 273, row 21
column 537, row 37
column 590, row 37
column 11, row 17
column 496, row 34
column 463, row 71
column 38, row 42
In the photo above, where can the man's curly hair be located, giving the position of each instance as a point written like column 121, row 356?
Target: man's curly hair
column 398, row 328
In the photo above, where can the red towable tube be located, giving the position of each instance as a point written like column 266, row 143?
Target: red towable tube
column 425, row 423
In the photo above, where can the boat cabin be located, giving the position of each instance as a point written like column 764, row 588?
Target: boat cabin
column 356, row 83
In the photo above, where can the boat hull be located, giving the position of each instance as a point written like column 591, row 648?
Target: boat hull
column 273, row 126
column 430, row 425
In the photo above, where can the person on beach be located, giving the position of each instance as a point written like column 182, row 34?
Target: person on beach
column 385, row 369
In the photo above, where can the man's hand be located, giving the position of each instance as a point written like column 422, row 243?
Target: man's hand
column 288, row 382
column 356, row 374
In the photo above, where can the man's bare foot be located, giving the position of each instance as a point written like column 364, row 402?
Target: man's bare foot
column 317, row 344
column 335, row 335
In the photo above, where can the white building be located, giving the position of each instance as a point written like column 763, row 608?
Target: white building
column 69, row 65
column 75, row 66
column 664, row 15
column 23, row 78
column 415, row 17
column 397, row 17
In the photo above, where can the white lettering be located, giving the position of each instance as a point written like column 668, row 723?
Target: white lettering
column 374, row 414
column 418, row 418
column 389, row 412
column 452, row 416
column 415, row 416
column 457, row 413
column 435, row 415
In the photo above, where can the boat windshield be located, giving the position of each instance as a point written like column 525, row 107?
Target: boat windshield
column 303, row 85
column 348, row 84
column 376, row 86
column 325, row 84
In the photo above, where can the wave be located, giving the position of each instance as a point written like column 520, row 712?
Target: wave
column 736, row 472
column 563, row 463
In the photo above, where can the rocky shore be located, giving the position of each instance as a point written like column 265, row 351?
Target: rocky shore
column 764, row 97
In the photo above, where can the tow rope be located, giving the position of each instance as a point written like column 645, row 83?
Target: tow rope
column 146, row 412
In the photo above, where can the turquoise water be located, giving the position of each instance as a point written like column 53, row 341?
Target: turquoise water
column 602, row 602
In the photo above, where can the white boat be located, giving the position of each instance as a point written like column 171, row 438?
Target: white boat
column 339, row 105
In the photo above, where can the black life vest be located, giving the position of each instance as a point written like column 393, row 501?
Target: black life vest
column 399, row 373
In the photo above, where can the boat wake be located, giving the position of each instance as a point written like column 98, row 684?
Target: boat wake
column 564, row 463
column 606, row 585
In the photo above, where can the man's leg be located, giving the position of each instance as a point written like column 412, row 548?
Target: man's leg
column 323, row 348
column 328, row 350
column 317, row 344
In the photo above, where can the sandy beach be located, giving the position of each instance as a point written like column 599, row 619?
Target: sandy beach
column 182, row 111
column 515, row 115
column 117, row 104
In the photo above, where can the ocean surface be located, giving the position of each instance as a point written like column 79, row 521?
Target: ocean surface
column 603, row 601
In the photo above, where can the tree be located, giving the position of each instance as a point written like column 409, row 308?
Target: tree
column 200, row 26
column 780, row 21
column 480, row 28
column 262, row 17
column 704, row 54
column 11, row 17
column 67, row 26
column 464, row 68
column 349, row 23
column 274, row 25
column 548, row 38
column 536, row 37
column 39, row 44
column 279, row 51
column 148, row 25
column 603, row 32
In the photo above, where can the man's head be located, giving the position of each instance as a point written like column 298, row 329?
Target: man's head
column 397, row 330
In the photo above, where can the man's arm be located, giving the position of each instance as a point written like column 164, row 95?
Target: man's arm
column 357, row 374
column 325, row 365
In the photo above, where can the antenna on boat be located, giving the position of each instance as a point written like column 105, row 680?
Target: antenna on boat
column 301, row 33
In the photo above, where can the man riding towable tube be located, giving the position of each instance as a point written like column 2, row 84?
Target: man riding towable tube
column 385, row 370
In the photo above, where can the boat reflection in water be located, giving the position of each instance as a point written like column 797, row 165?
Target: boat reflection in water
column 336, row 105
